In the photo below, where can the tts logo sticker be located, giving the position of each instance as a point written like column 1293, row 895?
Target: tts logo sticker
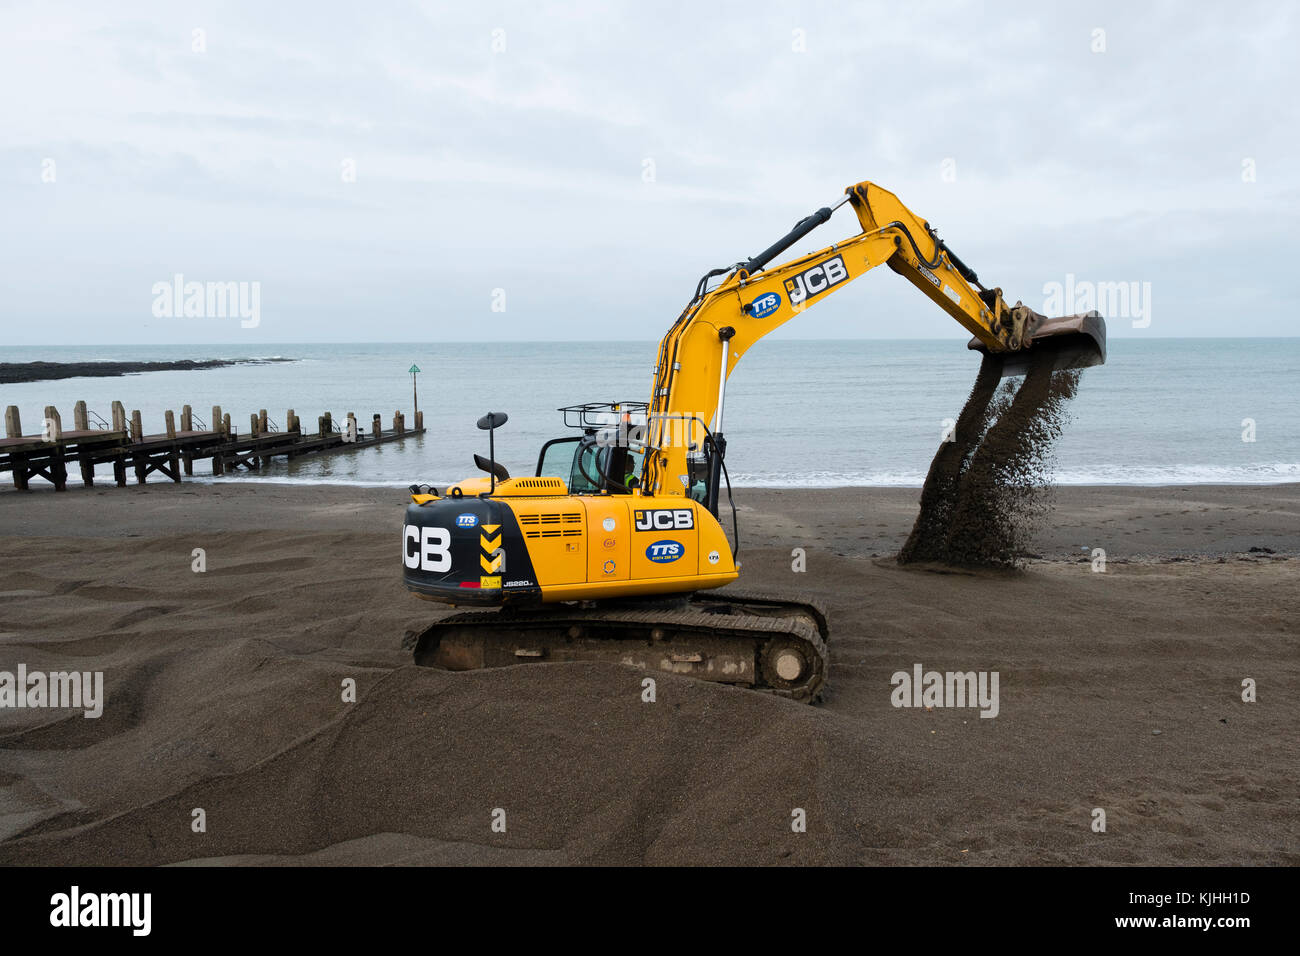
column 815, row 280
column 466, row 520
column 665, row 552
column 765, row 305
column 666, row 519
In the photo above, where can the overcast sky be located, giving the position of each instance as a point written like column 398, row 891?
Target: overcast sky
column 592, row 160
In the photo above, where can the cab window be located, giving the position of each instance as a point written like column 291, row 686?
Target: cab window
column 556, row 459
column 587, row 468
column 697, row 466
column 586, row 475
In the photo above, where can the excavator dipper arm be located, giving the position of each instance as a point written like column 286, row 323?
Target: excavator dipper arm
column 717, row 328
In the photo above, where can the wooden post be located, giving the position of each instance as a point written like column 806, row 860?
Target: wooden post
column 221, row 423
column 80, row 421
column 218, row 426
column 139, row 458
column 252, row 462
column 419, row 421
column 53, row 424
column 262, row 427
column 59, row 469
column 52, row 431
column 87, row 467
column 171, row 424
column 289, row 421
column 17, row 460
column 119, row 455
column 327, row 425
column 18, row 463
column 375, row 427
column 187, row 452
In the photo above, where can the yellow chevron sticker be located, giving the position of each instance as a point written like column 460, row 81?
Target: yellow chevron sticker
column 491, row 528
column 490, row 565
column 489, row 544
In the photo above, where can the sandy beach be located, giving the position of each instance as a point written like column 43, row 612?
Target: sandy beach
column 1119, row 691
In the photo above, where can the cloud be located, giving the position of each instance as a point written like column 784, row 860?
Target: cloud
column 509, row 146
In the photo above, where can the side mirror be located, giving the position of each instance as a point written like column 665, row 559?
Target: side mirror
column 492, row 420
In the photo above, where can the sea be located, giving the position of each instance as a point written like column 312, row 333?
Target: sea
column 798, row 413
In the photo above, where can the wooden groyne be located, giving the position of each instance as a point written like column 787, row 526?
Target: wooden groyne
column 173, row 452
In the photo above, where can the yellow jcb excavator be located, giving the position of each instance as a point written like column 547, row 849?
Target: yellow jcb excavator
column 612, row 549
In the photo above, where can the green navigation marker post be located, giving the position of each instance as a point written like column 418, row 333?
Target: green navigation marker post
column 414, row 370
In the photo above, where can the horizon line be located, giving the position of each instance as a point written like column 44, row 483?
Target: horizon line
column 576, row 341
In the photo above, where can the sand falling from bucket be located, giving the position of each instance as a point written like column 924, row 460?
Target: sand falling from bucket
column 988, row 489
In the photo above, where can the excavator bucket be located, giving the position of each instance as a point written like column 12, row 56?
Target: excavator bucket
column 1074, row 341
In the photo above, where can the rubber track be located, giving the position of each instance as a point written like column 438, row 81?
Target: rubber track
column 797, row 602
column 750, row 629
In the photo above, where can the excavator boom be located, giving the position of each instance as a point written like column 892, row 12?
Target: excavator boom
column 718, row 326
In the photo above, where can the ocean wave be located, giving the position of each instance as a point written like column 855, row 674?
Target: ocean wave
column 341, row 482
column 1264, row 474
column 1269, row 474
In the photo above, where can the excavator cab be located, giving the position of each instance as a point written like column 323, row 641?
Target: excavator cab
column 606, row 457
column 589, row 466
